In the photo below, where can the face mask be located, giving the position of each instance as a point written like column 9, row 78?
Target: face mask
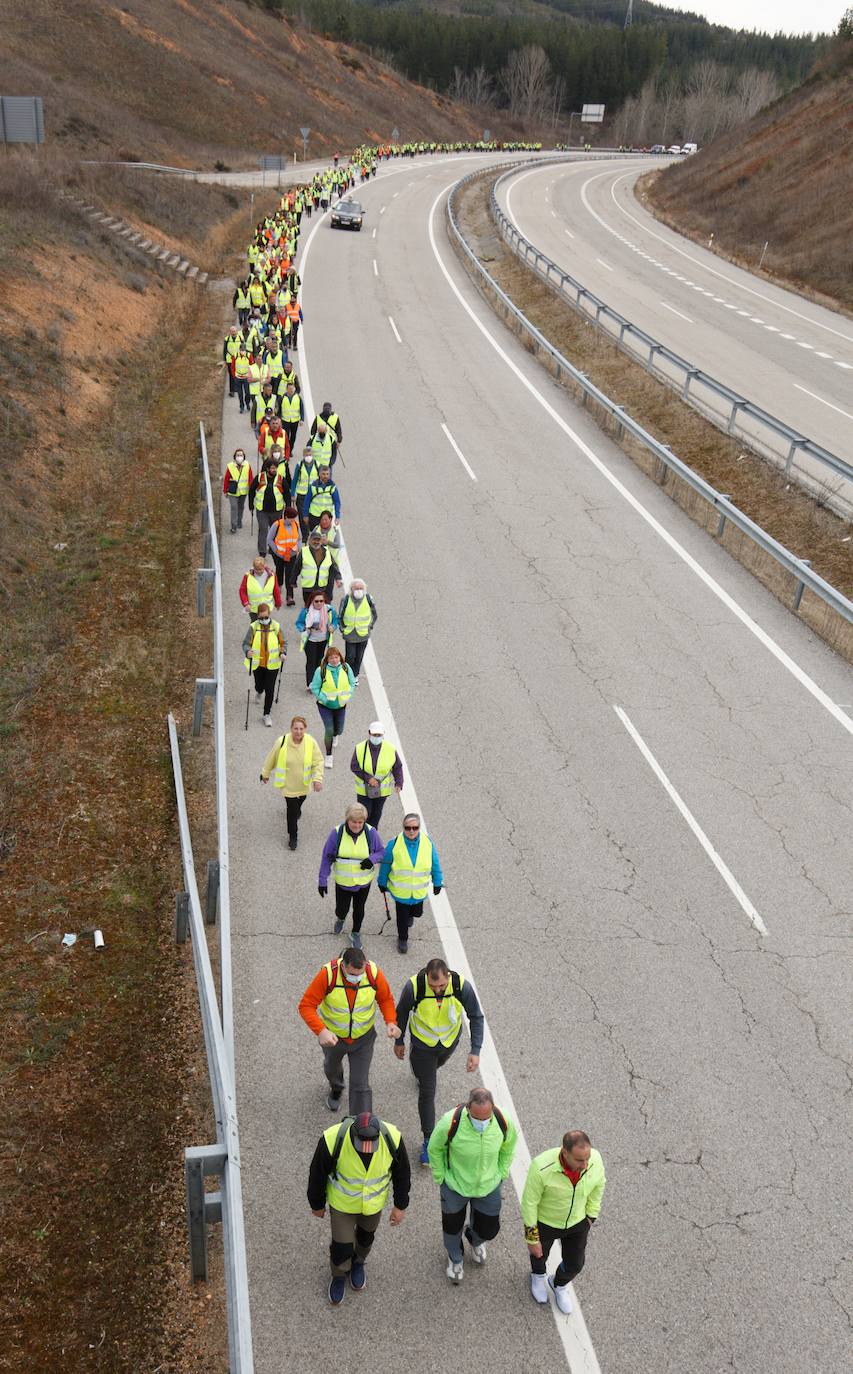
column 354, row 977
column 358, row 594
column 479, row 1125
column 375, row 739
column 239, row 457
column 264, row 620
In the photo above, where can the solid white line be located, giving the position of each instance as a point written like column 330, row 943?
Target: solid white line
column 375, row 269
column 457, row 450
column 815, row 397
column 722, row 595
column 722, row 868
column 676, row 312
column 395, row 329
column 604, row 264
column 573, row 1331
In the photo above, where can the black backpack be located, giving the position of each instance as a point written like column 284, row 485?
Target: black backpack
column 421, row 987
column 339, row 1141
column 457, row 1117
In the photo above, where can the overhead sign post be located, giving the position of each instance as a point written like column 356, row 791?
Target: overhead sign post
column 592, row 114
column 305, row 132
column 272, row 163
column 21, row 119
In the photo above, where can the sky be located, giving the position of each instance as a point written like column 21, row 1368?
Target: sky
column 789, row 16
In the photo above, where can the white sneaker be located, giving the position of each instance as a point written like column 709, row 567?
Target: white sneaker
column 335, row 741
column 561, row 1296
column 330, row 762
column 539, row 1288
column 478, row 1252
column 259, row 696
column 268, row 722
column 455, row 1272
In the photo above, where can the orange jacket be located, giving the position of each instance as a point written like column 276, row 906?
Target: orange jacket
column 318, row 987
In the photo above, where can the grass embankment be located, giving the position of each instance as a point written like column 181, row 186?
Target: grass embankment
column 794, row 518
column 104, row 1079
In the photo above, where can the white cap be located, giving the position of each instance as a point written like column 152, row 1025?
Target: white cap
column 377, row 728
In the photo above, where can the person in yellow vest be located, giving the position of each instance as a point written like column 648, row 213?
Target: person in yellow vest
column 292, row 413
column 356, row 1165
column 296, row 764
column 270, row 493
column 350, row 853
column 264, row 649
column 322, row 495
column 274, row 359
column 257, row 293
column 433, row 1005
column 230, row 349
column 410, row 864
column 333, row 686
column 332, row 420
column 235, row 485
column 288, row 375
column 321, row 444
column 241, row 377
column 259, row 585
column 378, row 771
column 358, row 615
column 264, row 407
column 339, row 1006
column 283, row 542
column 256, row 379
column 304, row 475
column 241, row 301
column 317, row 569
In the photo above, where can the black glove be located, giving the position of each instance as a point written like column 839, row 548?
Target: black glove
column 436, row 890
column 322, row 891
column 366, row 863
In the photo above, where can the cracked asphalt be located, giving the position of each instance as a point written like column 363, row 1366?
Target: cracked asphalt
column 625, row 988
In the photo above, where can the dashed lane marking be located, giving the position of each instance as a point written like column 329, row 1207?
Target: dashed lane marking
column 459, row 454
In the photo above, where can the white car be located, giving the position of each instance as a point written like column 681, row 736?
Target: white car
column 674, row 148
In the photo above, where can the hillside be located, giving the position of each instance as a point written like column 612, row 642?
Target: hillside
column 785, row 178
column 174, row 81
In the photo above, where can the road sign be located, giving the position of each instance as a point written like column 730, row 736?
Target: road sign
column 592, row 114
column 487, row 133
column 395, row 134
column 21, row 119
column 272, row 163
column 305, row 134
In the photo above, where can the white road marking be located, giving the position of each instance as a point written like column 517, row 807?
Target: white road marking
column 459, row 454
column 604, row 264
column 823, row 355
column 373, row 234
column 578, row 1347
column 721, row 866
column 773, row 329
column 846, row 366
column 815, row 397
column 395, row 329
column 382, row 211
column 753, row 319
column 800, row 344
column 791, row 666
column 676, row 312
column 395, row 195
column 375, row 269
column 743, row 312
column 569, row 232
column 786, row 336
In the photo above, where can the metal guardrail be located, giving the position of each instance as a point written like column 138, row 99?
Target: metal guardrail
column 223, row 1158
column 799, row 568
column 726, row 408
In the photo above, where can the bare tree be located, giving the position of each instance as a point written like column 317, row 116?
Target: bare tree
column 472, row 88
column 754, row 90
column 526, row 79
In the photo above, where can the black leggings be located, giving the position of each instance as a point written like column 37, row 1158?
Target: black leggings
column 405, row 914
column 294, row 811
column 314, row 651
column 357, row 896
column 573, row 1244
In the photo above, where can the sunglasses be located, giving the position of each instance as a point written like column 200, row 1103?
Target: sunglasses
column 411, row 827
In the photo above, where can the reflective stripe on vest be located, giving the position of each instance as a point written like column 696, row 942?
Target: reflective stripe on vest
column 322, row 499
column 280, row 770
column 275, row 363
column 285, row 538
column 407, row 879
column 354, row 1188
column 290, row 408
column 433, row 1019
column 384, row 771
column 232, row 345
column 334, row 1010
column 314, row 574
column 332, row 423
column 306, row 475
column 322, row 449
column 340, row 692
column 357, row 616
column 257, row 593
column 347, row 866
column 240, row 475
column 241, row 366
column 261, row 488
column 273, row 647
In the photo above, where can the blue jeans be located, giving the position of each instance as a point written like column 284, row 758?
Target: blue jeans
column 485, row 1218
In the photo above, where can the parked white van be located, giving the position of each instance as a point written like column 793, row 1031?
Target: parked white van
column 689, row 148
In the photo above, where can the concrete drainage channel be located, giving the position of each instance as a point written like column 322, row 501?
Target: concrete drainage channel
column 160, row 256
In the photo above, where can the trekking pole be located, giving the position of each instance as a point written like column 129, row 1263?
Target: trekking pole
column 387, row 913
column 248, row 693
column 278, row 684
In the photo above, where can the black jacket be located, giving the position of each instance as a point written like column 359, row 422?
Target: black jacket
column 321, row 1167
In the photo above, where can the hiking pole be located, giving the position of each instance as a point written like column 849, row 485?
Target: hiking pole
column 387, row 913
column 278, row 684
column 248, row 692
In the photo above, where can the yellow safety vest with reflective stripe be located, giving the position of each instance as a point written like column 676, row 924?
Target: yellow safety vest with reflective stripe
column 305, row 476
column 335, row 1012
column 347, row 866
column 332, row 423
column 232, row 345
column 312, row 572
column 339, row 691
column 352, row 1187
column 257, row 293
column 290, row 408
column 321, row 447
column 384, row 772
column 257, row 593
column 242, row 299
column 275, row 363
column 257, row 376
column 322, row 499
column 262, row 486
column 241, row 366
column 312, row 753
column 434, row 1019
column 273, row 646
column 239, row 473
column 357, row 616
column 285, row 378
column 407, row 880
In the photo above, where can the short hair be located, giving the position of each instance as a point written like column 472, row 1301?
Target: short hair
column 436, row 966
column 411, row 816
column 353, row 958
column 481, row 1097
column 301, row 719
column 263, row 605
column 573, row 1138
column 355, row 812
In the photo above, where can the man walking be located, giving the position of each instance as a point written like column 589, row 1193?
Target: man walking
column 350, row 852
column 259, row 585
column 265, row 649
column 358, row 615
column 292, row 413
column 322, row 495
column 470, row 1153
column 561, row 1200
column 356, row 1165
column 410, row 864
column 377, row 767
column 339, row 1006
column 432, row 1003
column 334, row 428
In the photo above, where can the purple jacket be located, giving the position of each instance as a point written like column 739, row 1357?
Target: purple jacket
column 375, row 847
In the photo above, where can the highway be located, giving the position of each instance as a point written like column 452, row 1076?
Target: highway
column 790, row 356
column 635, row 765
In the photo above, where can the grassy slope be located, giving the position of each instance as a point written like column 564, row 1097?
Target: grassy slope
column 787, row 178
column 169, row 80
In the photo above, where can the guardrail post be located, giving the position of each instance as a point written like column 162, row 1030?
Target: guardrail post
column 202, row 577
column 182, row 917
column 200, row 1161
column 688, row 378
column 205, row 519
column 721, row 523
column 795, row 444
column 730, row 424
column 208, row 550
column 204, row 687
column 211, row 897
column 800, row 588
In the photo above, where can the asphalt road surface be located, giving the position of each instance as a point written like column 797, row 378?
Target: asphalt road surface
column 635, row 764
column 790, row 356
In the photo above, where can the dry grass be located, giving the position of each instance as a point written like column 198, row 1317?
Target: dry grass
column 786, row 179
column 793, row 518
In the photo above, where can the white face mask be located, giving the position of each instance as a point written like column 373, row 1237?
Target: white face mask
column 358, row 593
column 375, row 739
column 354, row 977
column 263, row 620
column 479, row 1125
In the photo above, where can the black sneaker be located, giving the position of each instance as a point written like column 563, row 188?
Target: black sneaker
column 292, row 842
column 333, row 1100
column 403, row 946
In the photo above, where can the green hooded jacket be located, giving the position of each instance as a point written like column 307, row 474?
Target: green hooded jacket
column 474, row 1162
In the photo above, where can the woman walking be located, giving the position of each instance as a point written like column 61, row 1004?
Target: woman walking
column 298, row 766
column 350, row 853
column 315, row 624
column 333, row 685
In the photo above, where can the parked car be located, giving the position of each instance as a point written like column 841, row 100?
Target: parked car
column 347, row 214
column 674, row 148
column 689, row 148
column 657, row 148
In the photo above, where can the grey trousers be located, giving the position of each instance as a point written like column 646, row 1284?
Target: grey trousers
column 359, row 1053
column 352, row 1236
column 237, row 503
column 265, row 519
